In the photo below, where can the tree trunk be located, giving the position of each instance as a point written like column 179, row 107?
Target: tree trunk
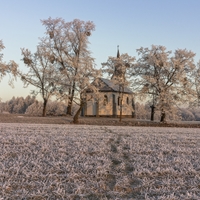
column 76, row 116
column 134, row 112
column 71, row 92
column 152, row 112
column 163, row 116
column 44, row 107
column 69, row 106
column 120, row 115
column 69, row 109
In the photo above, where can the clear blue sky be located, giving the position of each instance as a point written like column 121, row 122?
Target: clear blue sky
column 131, row 24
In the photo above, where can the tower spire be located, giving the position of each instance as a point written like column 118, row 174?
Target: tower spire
column 118, row 71
column 118, row 54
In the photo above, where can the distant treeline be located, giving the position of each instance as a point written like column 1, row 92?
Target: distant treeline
column 31, row 106
column 143, row 111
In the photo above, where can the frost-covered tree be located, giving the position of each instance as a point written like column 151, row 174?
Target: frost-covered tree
column 29, row 100
column 165, row 76
column 7, row 68
column 18, row 104
column 196, row 86
column 68, row 44
column 35, row 109
column 86, row 74
column 9, row 105
column 187, row 114
column 117, row 67
column 55, row 108
column 141, row 112
column 196, row 113
column 41, row 74
column 2, row 65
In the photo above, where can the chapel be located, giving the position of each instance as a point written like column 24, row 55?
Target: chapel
column 108, row 103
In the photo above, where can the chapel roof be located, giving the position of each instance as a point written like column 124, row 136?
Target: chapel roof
column 110, row 86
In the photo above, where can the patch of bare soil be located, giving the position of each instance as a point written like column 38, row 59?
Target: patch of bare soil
column 17, row 118
column 136, row 122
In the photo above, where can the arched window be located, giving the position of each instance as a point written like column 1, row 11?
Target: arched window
column 119, row 101
column 127, row 100
column 105, row 100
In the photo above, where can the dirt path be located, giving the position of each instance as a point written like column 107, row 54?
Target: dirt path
column 16, row 118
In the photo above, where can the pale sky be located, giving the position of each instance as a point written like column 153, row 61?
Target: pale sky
column 131, row 24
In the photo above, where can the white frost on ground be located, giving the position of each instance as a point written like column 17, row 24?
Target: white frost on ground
column 98, row 162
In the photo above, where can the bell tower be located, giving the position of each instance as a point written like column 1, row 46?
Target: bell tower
column 119, row 69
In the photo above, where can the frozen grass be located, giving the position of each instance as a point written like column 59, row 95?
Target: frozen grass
column 98, row 162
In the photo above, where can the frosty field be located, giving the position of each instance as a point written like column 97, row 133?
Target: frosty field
column 98, row 162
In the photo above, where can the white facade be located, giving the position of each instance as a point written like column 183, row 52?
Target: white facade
column 108, row 104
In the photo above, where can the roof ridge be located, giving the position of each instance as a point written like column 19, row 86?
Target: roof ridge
column 107, row 84
column 110, row 84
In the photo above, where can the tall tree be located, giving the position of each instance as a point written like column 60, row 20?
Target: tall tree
column 41, row 74
column 86, row 74
column 117, row 67
column 165, row 76
column 68, row 44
